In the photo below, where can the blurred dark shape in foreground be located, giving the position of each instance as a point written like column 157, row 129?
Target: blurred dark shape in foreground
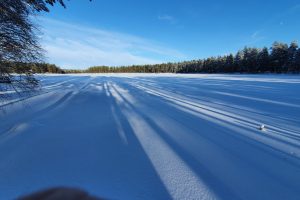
column 60, row 193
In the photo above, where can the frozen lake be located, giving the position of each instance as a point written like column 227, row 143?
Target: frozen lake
column 139, row 136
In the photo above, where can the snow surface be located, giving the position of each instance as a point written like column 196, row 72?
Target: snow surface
column 163, row 136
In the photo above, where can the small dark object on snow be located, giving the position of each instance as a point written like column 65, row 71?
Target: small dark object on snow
column 60, row 193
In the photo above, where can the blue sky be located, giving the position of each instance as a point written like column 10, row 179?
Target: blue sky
column 119, row 32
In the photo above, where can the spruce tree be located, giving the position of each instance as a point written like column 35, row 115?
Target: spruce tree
column 297, row 61
column 279, row 56
column 290, row 65
column 238, row 61
column 263, row 60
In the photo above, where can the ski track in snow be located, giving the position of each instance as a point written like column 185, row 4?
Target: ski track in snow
column 164, row 136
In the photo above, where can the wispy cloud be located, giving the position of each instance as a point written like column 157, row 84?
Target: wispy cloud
column 76, row 46
column 167, row 18
column 256, row 36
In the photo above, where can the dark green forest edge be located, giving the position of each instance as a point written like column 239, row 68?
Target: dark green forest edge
column 280, row 58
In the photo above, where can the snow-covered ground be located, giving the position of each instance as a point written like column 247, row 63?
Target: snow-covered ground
column 137, row 136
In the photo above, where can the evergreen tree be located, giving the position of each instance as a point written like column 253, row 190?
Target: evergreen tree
column 297, row 61
column 238, row 61
column 290, row 65
column 263, row 60
column 229, row 65
column 279, row 57
column 252, row 59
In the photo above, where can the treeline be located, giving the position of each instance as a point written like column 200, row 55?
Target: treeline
column 280, row 58
column 40, row 68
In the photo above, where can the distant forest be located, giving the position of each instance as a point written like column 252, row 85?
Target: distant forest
column 280, row 58
column 40, row 68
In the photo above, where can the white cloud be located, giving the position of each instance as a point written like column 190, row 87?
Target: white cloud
column 76, row 46
column 167, row 18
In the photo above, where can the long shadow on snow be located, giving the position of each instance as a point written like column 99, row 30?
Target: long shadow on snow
column 219, row 140
column 40, row 112
column 169, row 98
column 159, row 191
column 238, row 136
column 212, row 182
column 85, row 157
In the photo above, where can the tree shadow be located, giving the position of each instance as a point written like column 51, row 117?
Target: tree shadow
column 221, row 139
column 209, row 179
column 156, row 189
